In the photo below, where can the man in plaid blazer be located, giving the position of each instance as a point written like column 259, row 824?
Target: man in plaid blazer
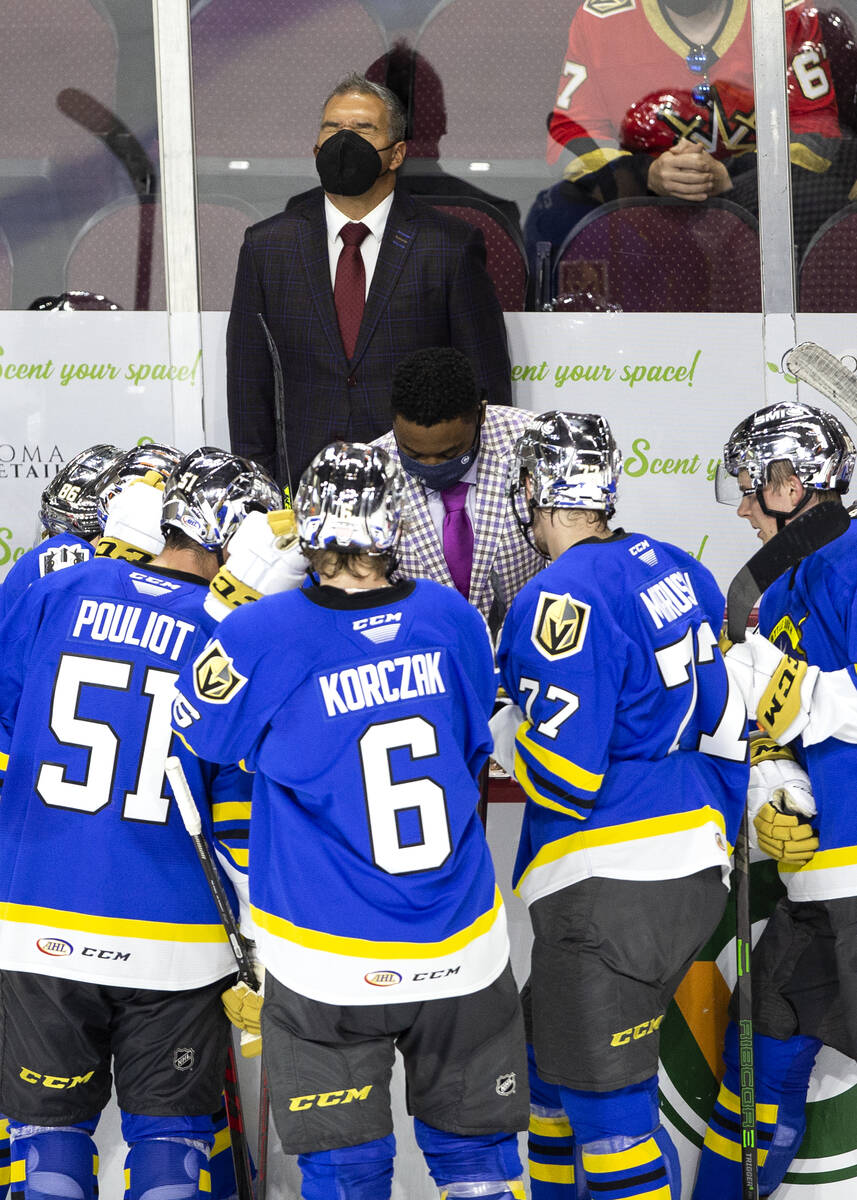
column 425, row 285
column 444, row 434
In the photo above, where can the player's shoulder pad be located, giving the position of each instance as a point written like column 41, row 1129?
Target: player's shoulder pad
column 609, row 8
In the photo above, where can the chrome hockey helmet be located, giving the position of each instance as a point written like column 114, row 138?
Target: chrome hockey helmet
column 135, row 464
column 210, row 493
column 69, row 503
column 570, row 461
column 815, row 442
column 350, row 498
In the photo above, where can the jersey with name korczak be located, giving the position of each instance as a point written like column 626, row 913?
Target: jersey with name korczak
column 364, row 717
column 633, row 751
column 98, row 879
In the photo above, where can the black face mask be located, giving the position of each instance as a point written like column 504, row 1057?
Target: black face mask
column 347, row 164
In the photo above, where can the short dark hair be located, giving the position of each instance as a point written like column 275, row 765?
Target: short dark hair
column 435, row 384
column 397, row 119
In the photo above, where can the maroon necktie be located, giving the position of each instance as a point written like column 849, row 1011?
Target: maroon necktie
column 349, row 286
column 458, row 536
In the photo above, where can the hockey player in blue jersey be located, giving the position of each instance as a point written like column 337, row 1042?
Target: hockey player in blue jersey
column 798, row 676
column 119, row 961
column 631, row 746
column 68, row 522
column 361, row 703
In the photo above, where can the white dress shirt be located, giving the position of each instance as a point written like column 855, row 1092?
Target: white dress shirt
column 375, row 221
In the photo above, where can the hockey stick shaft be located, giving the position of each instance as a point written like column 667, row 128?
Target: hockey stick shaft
column 816, row 366
column 246, row 973
column 281, row 449
column 743, row 947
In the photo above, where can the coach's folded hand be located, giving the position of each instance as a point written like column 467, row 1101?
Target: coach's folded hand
column 244, row 1009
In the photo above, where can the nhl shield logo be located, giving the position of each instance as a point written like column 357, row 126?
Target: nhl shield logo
column 560, row 625
column 184, row 1058
column 215, row 678
column 506, row 1085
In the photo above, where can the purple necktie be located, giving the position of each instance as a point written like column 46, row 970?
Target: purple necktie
column 458, row 537
column 349, row 285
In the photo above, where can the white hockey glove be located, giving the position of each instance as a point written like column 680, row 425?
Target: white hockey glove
column 243, row 1007
column 504, row 725
column 779, row 799
column 133, row 527
column 264, row 557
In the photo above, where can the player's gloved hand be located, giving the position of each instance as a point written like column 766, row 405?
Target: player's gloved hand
column 776, row 687
column 244, row 1009
column 264, row 557
column 504, row 724
column 779, row 801
column 133, row 527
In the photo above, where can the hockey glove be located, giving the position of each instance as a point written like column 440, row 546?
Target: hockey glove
column 779, row 798
column 244, row 1009
column 264, row 557
column 133, row 527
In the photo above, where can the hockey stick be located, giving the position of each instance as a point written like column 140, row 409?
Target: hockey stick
column 282, row 457
column 819, row 368
column 115, row 135
column 246, row 973
column 743, row 951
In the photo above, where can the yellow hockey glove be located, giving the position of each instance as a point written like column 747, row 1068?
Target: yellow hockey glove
column 263, row 557
column 244, row 1009
column 783, row 835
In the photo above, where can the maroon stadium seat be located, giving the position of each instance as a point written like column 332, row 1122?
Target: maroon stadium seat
column 661, row 255
column 506, row 257
column 827, row 280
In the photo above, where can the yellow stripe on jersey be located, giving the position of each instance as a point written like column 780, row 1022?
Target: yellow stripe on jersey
column 162, row 931
column 768, row 1114
column 727, row 1149
column 204, row 1180
column 243, row 766
column 240, row 855
column 844, row 856
column 222, row 1141
column 4, row 761
column 593, row 160
column 185, row 743
column 523, row 777
column 551, row 1172
column 334, row 943
column 630, row 831
column 18, row 1170
column 563, row 768
column 231, row 810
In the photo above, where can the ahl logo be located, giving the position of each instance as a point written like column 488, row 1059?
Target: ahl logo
column 59, row 557
column 214, row 676
column 383, row 627
column 55, row 947
column 645, row 552
column 560, row 625
column 383, row 978
column 506, row 1085
column 183, row 1058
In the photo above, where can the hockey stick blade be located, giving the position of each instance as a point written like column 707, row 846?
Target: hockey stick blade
column 282, row 458
column 92, row 115
column 804, row 535
column 819, row 368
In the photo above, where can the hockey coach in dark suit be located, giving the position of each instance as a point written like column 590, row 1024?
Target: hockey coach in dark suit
column 349, row 281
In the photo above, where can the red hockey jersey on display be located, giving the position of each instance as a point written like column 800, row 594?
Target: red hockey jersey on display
column 626, row 87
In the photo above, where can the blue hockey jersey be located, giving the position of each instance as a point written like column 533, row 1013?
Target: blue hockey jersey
column 811, row 613
column 98, row 879
column 633, row 753
column 53, row 554
column 364, row 716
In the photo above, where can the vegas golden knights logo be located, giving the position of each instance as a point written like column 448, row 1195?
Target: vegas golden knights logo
column 560, row 625
column 214, row 676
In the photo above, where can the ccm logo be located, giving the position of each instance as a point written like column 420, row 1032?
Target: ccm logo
column 383, row 978
column 55, row 947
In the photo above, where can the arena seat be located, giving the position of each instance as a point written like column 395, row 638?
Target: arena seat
column 498, row 82
column 827, row 277
column 841, row 45
column 262, row 69
column 660, row 255
column 120, row 253
column 506, row 259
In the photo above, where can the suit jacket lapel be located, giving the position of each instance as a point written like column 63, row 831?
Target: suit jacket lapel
column 490, row 500
column 396, row 243
column 428, row 560
column 312, row 241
